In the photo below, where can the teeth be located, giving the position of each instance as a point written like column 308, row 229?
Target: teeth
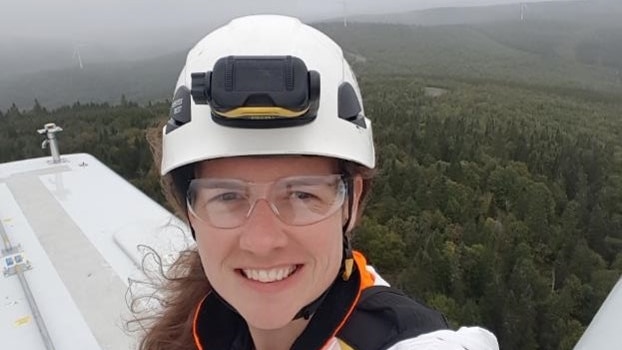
column 267, row 276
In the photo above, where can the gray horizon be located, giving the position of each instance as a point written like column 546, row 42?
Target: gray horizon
column 105, row 20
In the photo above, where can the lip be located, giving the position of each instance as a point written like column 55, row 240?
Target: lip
column 271, row 287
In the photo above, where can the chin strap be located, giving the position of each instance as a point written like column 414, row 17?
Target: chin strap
column 347, row 259
column 308, row 311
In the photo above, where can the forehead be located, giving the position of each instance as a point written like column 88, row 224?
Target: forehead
column 266, row 168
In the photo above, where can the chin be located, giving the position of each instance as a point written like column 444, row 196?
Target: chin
column 269, row 319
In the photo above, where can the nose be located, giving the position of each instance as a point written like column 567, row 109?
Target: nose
column 263, row 231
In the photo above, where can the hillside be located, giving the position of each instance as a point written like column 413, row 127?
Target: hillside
column 600, row 12
column 466, row 52
column 140, row 81
column 574, row 45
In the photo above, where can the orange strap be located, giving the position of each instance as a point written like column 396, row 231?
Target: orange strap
column 367, row 278
column 195, row 334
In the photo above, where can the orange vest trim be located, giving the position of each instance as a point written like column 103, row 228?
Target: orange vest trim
column 195, row 333
column 367, row 278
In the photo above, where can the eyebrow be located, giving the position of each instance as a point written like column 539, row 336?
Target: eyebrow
column 305, row 182
column 232, row 184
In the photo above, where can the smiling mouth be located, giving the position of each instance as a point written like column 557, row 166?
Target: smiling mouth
column 269, row 275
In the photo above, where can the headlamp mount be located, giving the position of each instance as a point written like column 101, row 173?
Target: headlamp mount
column 259, row 91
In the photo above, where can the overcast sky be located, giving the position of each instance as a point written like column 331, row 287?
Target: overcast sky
column 47, row 34
column 77, row 19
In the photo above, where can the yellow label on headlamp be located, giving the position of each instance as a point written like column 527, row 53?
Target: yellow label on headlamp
column 261, row 112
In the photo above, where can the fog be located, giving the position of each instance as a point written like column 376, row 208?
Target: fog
column 39, row 35
column 108, row 20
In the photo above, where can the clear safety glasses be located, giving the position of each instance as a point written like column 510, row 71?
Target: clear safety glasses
column 296, row 200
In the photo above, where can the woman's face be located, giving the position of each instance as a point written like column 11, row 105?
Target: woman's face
column 266, row 269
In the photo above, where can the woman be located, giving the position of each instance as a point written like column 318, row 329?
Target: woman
column 269, row 156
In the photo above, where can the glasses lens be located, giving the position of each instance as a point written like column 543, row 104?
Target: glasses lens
column 220, row 202
column 300, row 200
column 307, row 200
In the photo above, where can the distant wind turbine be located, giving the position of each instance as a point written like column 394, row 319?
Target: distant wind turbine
column 345, row 13
column 76, row 54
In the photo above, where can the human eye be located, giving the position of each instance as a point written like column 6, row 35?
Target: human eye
column 225, row 201
column 208, row 196
column 316, row 193
column 225, row 196
column 317, row 188
column 302, row 195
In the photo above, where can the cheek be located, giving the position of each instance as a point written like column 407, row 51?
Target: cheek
column 205, row 250
column 335, row 257
column 325, row 243
column 212, row 247
column 328, row 258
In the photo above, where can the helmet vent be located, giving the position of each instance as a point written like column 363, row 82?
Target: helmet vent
column 180, row 110
column 349, row 106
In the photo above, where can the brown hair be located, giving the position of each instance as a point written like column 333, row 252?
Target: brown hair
column 178, row 292
column 184, row 285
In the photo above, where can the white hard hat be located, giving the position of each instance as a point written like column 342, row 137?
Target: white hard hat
column 266, row 85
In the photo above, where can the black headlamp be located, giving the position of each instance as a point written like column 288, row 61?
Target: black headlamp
column 259, row 91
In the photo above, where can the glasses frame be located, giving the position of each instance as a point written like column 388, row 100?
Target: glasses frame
column 268, row 186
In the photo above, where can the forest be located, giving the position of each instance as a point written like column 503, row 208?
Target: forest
column 498, row 202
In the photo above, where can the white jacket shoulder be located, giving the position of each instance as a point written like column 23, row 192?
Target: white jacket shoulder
column 466, row 338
